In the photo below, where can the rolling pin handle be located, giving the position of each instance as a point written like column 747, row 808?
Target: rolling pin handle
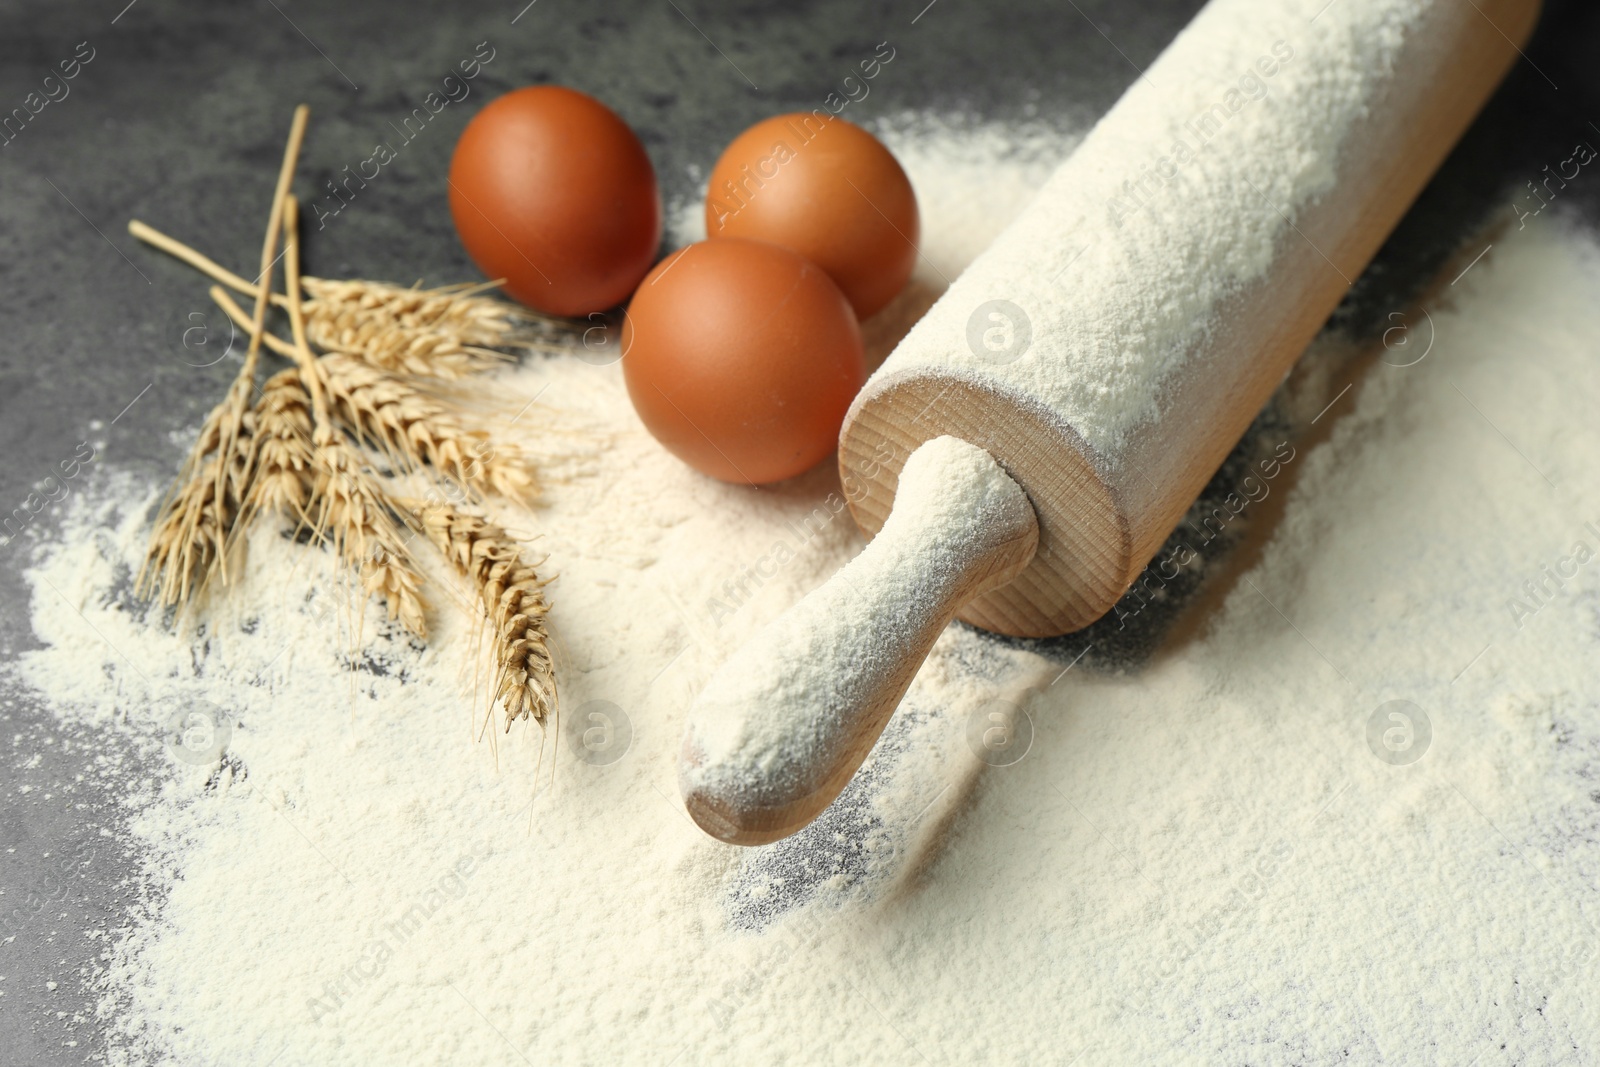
column 783, row 725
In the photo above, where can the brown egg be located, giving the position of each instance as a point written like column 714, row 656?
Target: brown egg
column 551, row 191
column 827, row 189
column 741, row 358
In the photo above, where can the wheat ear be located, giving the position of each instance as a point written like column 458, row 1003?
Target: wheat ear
column 281, row 455
column 351, row 512
column 408, row 425
column 448, row 332
column 197, row 522
column 512, row 594
column 190, row 540
column 414, row 428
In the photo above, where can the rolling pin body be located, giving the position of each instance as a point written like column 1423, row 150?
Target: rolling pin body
column 1171, row 271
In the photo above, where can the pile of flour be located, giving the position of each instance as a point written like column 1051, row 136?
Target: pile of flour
column 1213, row 858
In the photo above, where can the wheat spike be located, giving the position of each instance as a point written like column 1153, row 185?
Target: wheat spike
column 512, row 594
column 189, row 544
column 414, row 428
column 449, row 332
column 353, row 515
column 281, row 455
column 234, row 430
column 410, row 426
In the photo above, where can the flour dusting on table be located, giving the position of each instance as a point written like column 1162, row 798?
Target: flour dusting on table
column 1209, row 859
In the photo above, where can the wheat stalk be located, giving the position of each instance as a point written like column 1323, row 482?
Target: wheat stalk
column 238, row 399
column 189, row 544
column 512, row 594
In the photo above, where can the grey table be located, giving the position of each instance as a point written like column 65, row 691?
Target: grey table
column 177, row 114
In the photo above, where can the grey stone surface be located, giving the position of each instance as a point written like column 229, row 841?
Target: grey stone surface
column 179, row 119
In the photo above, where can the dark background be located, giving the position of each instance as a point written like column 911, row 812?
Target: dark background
column 179, row 119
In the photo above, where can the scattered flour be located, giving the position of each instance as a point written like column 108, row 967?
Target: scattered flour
column 1120, row 264
column 1201, row 861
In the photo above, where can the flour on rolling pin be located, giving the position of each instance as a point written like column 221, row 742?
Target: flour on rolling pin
column 1183, row 192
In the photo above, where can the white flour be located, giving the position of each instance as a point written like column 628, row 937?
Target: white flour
column 1120, row 264
column 1199, row 862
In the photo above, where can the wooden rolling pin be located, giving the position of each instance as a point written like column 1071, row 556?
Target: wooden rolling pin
column 1090, row 371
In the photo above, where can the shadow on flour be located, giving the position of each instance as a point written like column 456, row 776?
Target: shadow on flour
column 885, row 826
